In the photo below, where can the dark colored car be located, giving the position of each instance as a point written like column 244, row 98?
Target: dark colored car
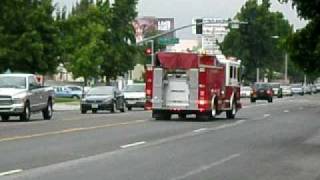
column 262, row 91
column 103, row 98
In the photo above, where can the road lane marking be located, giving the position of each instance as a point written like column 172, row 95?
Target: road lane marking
column 70, row 130
column 11, row 172
column 200, row 130
column 207, row 167
column 133, row 144
column 266, row 115
column 227, row 125
column 286, row 111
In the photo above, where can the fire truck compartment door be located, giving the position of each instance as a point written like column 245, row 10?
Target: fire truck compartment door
column 157, row 88
column 177, row 92
column 193, row 75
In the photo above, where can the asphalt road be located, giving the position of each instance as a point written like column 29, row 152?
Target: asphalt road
column 266, row 141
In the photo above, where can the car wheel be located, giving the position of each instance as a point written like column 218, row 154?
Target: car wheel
column 48, row 111
column 25, row 116
column 129, row 108
column 94, row 111
column 252, row 100
column 270, row 100
column 75, row 97
column 124, row 107
column 83, row 111
column 114, row 107
column 5, row 117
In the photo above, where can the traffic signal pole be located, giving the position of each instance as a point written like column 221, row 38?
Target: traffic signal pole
column 151, row 39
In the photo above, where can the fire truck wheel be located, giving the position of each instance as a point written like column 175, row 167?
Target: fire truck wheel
column 203, row 116
column 162, row 116
column 182, row 116
column 214, row 105
column 231, row 114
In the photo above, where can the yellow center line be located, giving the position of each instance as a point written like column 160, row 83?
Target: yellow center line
column 70, row 130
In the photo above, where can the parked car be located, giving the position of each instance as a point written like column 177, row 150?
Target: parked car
column 313, row 89
column 277, row 90
column 76, row 91
column 297, row 89
column 286, row 90
column 103, row 98
column 21, row 95
column 261, row 91
column 135, row 95
column 62, row 92
column 245, row 91
column 307, row 89
column 318, row 87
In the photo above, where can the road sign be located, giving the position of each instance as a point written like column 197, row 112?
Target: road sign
column 168, row 41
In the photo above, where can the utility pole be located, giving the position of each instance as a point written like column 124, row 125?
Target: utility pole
column 258, row 74
column 286, row 67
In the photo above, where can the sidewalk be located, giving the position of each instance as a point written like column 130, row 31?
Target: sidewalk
column 65, row 107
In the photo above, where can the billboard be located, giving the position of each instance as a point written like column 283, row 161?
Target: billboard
column 145, row 25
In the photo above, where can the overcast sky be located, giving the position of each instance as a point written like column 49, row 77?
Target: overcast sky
column 184, row 10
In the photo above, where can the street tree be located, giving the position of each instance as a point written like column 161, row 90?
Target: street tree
column 120, row 39
column 253, row 42
column 304, row 45
column 81, row 35
column 28, row 36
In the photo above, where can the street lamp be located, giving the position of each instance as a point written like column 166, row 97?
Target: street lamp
column 285, row 62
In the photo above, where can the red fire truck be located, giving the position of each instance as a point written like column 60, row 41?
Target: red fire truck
column 187, row 83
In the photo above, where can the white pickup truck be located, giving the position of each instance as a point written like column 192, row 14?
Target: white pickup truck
column 21, row 95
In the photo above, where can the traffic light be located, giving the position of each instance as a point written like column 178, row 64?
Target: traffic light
column 199, row 26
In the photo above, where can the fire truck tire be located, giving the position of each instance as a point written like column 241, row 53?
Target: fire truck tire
column 203, row 116
column 214, row 111
column 182, row 116
column 231, row 114
column 162, row 116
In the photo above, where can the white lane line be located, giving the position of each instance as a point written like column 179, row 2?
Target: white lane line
column 301, row 108
column 207, row 167
column 10, row 172
column 286, row 111
column 266, row 115
column 133, row 144
column 227, row 125
column 200, row 130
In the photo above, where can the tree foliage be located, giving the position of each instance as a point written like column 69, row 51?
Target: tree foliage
column 98, row 39
column 253, row 43
column 28, row 36
column 304, row 45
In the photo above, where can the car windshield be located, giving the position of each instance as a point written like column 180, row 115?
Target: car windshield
column 75, row 88
column 261, row 85
column 275, row 85
column 285, row 87
column 12, row 82
column 245, row 88
column 296, row 85
column 101, row 91
column 135, row 88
